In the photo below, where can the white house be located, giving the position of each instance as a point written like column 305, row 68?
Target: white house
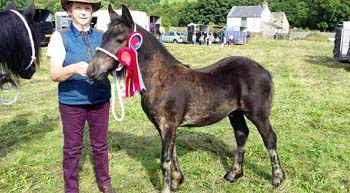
column 280, row 19
column 257, row 19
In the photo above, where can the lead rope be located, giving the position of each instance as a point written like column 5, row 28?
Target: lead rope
column 115, row 83
column 13, row 85
column 30, row 38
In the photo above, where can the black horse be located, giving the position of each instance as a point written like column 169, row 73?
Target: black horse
column 16, row 49
column 176, row 96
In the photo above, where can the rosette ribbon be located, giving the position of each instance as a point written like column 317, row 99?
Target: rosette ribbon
column 128, row 57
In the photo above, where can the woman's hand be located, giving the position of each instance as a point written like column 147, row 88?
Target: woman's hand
column 59, row 73
column 80, row 68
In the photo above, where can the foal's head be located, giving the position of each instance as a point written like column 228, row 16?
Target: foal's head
column 113, row 39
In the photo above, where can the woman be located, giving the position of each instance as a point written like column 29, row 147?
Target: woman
column 80, row 99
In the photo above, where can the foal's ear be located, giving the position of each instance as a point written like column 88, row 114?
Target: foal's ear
column 29, row 12
column 112, row 13
column 127, row 16
column 10, row 6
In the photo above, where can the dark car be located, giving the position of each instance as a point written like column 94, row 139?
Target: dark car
column 43, row 25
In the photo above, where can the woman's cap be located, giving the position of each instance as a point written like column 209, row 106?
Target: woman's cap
column 96, row 4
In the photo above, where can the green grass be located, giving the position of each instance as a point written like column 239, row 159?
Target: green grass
column 310, row 114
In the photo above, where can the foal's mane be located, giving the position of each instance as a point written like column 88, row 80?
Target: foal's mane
column 151, row 42
column 151, row 46
column 15, row 46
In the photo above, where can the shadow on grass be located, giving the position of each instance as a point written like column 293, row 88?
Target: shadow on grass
column 327, row 62
column 21, row 130
column 146, row 149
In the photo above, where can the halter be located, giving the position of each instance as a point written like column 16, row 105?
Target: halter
column 115, row 57
column 128, row 57
column 30, row 38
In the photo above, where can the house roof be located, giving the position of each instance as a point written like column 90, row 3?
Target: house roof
column 272, row 25
column 245, row 11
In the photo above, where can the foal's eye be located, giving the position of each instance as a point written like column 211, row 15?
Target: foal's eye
column 118, row 41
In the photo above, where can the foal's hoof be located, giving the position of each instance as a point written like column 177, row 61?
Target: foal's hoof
column 278, row 179
column 276, row 182
column 176, row 182
column 175, row 186
column 165, row 190
column 232, row 177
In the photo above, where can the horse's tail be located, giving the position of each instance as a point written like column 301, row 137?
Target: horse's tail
column 271, row 88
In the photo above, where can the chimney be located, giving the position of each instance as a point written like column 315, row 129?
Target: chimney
column 265, row 4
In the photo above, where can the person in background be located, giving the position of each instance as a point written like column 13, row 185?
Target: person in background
column 230, row 40
column 223, row 40
column 161, row 32
column 80, row 99
column 194, row 39
column 201, row 39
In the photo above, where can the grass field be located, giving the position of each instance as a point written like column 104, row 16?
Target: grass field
column 310, row 114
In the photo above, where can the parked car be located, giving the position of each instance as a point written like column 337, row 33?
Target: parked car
column 44, row 25
column 174, row 37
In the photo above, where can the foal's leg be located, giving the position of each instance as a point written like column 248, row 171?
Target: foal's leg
column 241, row 134
column 261, row 121
column 168, row 142
column 177, row 177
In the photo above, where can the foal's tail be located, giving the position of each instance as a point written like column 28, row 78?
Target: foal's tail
column 270, row 87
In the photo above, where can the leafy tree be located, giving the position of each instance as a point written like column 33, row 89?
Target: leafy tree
column 297, row 11
column 52, row 5
column 326, row 13
column 205, row 12
column 19, row 3
column 312, row 14
column 188, row 14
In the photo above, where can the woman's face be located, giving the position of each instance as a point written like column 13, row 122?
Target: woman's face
column 81, row 14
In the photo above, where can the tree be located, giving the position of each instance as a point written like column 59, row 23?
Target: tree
column 188, row 14
column 327, row 13
column 312, row 14
column 205, row 12
column 19, row 3
column 296, row 11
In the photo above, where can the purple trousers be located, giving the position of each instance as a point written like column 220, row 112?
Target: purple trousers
column 73, row 120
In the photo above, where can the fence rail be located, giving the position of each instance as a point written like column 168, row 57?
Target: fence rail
column 303, row 35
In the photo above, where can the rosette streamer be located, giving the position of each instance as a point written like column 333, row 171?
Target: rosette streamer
column 127, row 56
